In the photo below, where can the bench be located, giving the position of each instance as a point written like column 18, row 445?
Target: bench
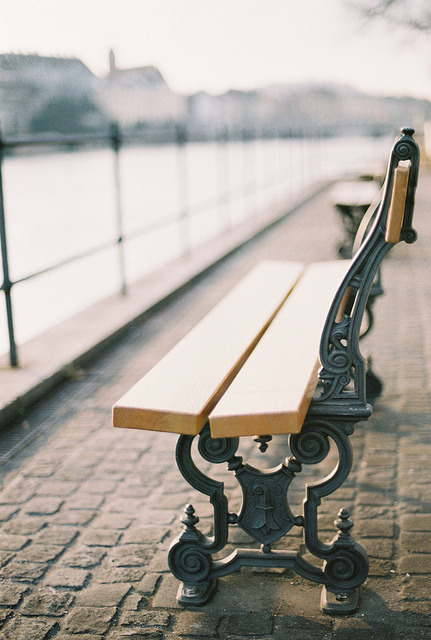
column 279, row 355
column 352, row 199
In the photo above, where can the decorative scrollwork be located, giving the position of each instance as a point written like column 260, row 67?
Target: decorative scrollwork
column 403, row 150
column 309, row 446
column 409, row 235
column 216, row 450
column 189, row 563
column 347, row 568
column 338, row 359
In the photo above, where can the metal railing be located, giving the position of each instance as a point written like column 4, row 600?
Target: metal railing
column 113, row 139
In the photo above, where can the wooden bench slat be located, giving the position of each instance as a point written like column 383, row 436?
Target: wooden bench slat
column 398, row 202
column 178, row 394
column 272, row 392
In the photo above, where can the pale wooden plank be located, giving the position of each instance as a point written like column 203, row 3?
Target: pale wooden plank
column 272, row 392
column 398, row 202
column 180, row 391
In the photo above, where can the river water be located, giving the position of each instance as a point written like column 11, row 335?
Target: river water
column 58, row 205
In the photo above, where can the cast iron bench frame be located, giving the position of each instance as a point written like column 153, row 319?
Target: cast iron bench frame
column 336, row 401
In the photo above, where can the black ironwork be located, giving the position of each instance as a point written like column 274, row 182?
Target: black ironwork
column 340, row 402
column 7, row 283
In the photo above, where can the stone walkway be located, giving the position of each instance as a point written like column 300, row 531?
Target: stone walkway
column 87, row 511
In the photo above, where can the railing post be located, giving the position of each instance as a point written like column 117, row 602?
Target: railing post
column 115, row 145
column 7, row 284
column 223, row 179
column 181, row 139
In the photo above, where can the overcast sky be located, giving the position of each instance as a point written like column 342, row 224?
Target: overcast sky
column 215, row 45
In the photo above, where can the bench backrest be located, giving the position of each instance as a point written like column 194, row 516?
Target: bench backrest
column 343, row 366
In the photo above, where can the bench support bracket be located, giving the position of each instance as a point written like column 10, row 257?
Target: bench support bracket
column 265, row 515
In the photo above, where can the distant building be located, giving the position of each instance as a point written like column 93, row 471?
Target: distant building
column 30, row 85
column 139, row 96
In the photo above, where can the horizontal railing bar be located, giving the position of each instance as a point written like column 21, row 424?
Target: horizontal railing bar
column 60, row 140
column 192, row 211
column 66, row 261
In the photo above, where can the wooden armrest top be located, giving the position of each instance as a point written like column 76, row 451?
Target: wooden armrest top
column 272, row 392
column 178, row 394
column 398, row 202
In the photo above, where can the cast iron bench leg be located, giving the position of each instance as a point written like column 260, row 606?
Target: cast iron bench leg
column 266, row 516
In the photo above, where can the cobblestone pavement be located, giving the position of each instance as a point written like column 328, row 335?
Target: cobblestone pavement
column 87, row 511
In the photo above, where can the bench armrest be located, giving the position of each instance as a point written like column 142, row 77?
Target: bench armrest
column 343, row 366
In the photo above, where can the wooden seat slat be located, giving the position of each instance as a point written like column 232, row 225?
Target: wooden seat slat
column 272, row 392
column 178, row 394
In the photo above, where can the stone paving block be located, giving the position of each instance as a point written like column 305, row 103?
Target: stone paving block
column 416, row 522
column 142, row 634
column 62, row 536
column 26, row 629
column 46, row 602
column 133, row 491
column 380, row 547
column 96, row 487
column 68, row 578
column 85, row 501
column 5, row 556
column 43, row 506
column 11, row 593
column 150, row 534
column 417, row 588
column 191, row 624
column 130, row 556
column 415, row 563
column 159, row 563
column 24, row 525
column 134, row 602
column 148, row 584
column 416, row 542
column 39, row 553
column 80, row 636
column 100, row 537
column 4, row 615
column 57, row 488
column 76, row 517
column 145, row 619
column 303, row 635
column 41, row 470
column 373, row 498
column 129, row 506
column 26, row 571
column 84, row 558
column 374, row 528
column 89, row 620
column 108, row 575
column 7, row 512
column 112, row 521
column 379, row 567
column 103, row 595
column 18, row 492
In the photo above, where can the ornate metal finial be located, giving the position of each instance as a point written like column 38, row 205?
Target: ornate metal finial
column 407, row 131
column 262, row 441
column 189, row 519
column 344, row 524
